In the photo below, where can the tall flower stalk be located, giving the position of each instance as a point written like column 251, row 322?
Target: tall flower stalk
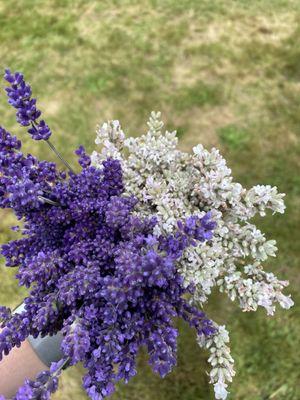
column 20, row 97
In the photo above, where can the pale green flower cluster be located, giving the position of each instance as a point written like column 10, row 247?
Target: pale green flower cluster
column 172, row 185
column 220, row 360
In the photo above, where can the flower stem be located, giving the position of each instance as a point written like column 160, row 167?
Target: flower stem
column 57, row 153
column 64, row 363
column 52, row 147
column 45, row 200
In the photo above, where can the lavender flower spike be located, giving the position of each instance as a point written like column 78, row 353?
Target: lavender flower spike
column 19, row 96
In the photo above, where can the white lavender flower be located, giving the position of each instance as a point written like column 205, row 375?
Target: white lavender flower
column 174, row 184
column 220, row 359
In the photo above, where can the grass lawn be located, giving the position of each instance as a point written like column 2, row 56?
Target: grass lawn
column 224, row 73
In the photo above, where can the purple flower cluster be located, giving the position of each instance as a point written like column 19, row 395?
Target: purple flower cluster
column 94, row 270
column 19, row 96
column 23, row 179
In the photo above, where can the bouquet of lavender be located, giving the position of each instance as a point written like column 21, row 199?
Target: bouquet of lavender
column 112, row 253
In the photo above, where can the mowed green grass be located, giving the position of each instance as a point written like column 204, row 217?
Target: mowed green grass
column 224, row 73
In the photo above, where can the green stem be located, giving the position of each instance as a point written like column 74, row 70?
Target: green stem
column 52, row 147
column 45, row 200
column 57, row 153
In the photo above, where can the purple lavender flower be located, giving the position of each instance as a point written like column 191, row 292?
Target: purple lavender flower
column 41, row 131
column 45, row 384
column 84, row 159
column 22, row 178
column 19, row 96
